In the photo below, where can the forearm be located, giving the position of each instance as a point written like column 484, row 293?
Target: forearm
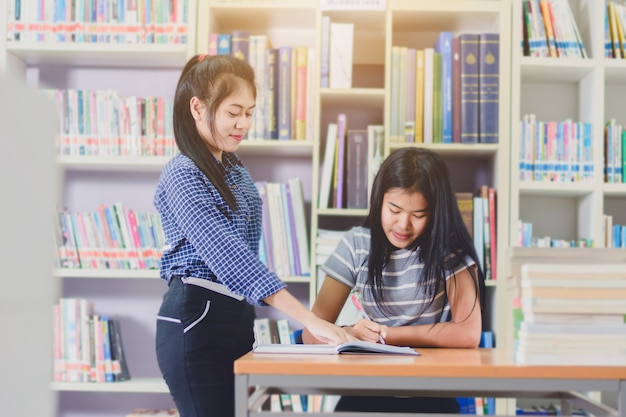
column 449, row 334
column 288, row 304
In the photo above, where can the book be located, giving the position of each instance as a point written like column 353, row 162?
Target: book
column 340, row 54
column 325, row 52
column 240, row 44
column 339, row 185
column 375, row 151
column 271, row 86
column 328, row 164
column 300, row 227
column 301, row 92
column 356, row 169
column 354, row 347
column 469, row 87
column 465, row 202
column 118, row 357
column 443, row 46
column 429, row 62
column 489, row 87
column 284, row 93
column 437, row 99
column 419, row 96
column 456, row 90
column 410, row 89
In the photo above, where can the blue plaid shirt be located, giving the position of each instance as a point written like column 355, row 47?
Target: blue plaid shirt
column 204, row 238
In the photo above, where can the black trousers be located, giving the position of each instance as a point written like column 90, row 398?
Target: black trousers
column 434, row 405
column 200, row 333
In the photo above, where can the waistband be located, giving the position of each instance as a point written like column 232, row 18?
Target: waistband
column 212, row 286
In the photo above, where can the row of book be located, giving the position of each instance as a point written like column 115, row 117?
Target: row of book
column 526, row 239
column 105, row 123
column 351, row 159
column 614, row 234
column 285, row 74
column 550, row 30
column 615, row 30
column 571, row 315
column 555, row 151
column 284, row 244
column 87, row 21
column 614, row 152
column 87, row 347
column 479, row 214
column 448, row 93
column 112, row 237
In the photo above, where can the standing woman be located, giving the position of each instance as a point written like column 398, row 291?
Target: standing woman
column 415, row 265
column 211, row 215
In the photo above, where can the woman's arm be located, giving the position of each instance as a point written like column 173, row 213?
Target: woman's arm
column 322, row 330
column 463, row 331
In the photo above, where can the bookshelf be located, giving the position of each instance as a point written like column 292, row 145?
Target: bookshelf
column 583, row 90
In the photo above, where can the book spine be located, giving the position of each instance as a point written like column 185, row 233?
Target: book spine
column 409, row 122
column 429, row 62
column 326, row 175
column 419, row 96
column 356, row 169
column 284, row 94
column 240, row 44
column 224, row 42
column 489, row 89
column 301, row 92
column 325, row 53
column 444, row 47
column 340, row 161
column 456, row 90
column 469, row 87
column 437, row 99
column 271, row 103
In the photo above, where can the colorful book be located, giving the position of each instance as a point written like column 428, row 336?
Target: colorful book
column 469, row 87
column 224, row 41
column 301, row 92
column 375, row 154
column 489, row 87
column 465, row 202
column 409, row 119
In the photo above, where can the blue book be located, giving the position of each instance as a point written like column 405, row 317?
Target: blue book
column 489, row 89
column 469, row 87
column 444, row 47
column 223, row 44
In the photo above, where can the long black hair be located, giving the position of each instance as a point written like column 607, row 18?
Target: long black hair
column 211, row 79
column 445, row 242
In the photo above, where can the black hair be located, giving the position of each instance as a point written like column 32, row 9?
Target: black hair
column 211, row 79
column 424, row 171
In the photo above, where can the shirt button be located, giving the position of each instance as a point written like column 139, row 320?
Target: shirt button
column 234, row 186
column 247, row 218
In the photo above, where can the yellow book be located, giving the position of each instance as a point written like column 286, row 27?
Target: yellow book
column 301, row 89
column 419, row 96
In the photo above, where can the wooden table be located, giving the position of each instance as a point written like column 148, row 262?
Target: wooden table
column 437, row 372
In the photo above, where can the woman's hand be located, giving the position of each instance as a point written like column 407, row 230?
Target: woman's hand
column 327, row 332
column 368, row 330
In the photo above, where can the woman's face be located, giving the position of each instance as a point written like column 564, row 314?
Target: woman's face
column 232, row 121
column 404, row 216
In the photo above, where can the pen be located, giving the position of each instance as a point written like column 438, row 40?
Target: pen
column 357, row 304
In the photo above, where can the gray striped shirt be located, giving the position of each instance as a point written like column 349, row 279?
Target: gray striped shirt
column 403, row 298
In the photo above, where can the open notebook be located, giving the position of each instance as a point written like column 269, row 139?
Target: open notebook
column 358, row 346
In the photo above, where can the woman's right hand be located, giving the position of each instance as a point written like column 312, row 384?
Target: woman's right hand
column 327, row 332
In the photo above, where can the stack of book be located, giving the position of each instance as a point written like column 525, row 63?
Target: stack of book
column 572, row 314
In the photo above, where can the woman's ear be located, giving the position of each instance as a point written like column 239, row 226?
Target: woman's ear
column 197, row 108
